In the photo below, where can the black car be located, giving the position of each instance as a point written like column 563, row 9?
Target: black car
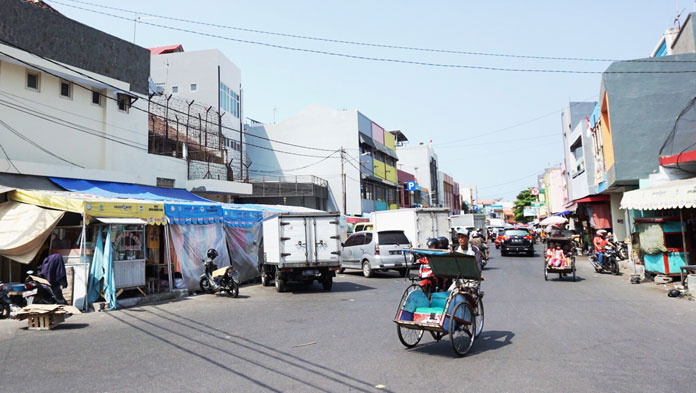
column 517, row 241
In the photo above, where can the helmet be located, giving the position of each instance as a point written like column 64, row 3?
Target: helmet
column 601, row 232
column 212, row 253
column 433, row 242
column 463, row 231
column 443, row 242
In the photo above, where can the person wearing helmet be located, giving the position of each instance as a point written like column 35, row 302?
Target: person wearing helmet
column 212, row 253
column 442, row 243
column 599, row 243
column 478, row 241
column 464, row 247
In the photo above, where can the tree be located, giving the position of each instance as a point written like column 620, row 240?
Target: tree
column 524, row 199
column 465, row 208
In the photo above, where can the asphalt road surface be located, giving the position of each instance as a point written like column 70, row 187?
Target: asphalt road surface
column 597, row 334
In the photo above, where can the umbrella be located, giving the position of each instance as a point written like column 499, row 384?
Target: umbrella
column 553, row 220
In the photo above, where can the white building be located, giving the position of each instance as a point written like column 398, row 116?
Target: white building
column 421, row 161
column 210, row 79
column 369, row 162
column 74, row 114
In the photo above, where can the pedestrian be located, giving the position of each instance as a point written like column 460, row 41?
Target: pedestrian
column 53, row 270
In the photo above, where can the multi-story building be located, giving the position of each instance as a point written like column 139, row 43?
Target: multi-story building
column 209, row 80
column 578, row 150
column 447, row 196
column 92, row 92
column 76, row 108
column 351, row 152
column 421, row 161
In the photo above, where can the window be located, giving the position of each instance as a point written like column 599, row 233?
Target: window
column 33, row 80
column 165, row 183
column 96, row 98
column 576, row 150
column 175, row 89
column 392, row 237
column 368, row 238
column 380, row 194
column 124, row 102
column 65, row 89
column 194, row 87
column 229, row 100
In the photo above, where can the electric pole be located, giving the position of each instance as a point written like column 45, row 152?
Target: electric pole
column 343, row 181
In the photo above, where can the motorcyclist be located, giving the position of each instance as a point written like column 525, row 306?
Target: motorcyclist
column 478, row 241
column 442, row 243
column 600, row 242
column 428, row 282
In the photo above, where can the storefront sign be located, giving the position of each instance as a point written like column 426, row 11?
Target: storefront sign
column 128, row 241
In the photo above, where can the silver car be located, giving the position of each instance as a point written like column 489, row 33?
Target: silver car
column 376, row 250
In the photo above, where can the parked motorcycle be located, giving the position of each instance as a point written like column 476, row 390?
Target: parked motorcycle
column 610, row 264
column 5, row 302
column 216, row 280
column 622, row 250
column 38, row 290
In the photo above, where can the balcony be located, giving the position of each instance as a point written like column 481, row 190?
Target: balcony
column 289, row 186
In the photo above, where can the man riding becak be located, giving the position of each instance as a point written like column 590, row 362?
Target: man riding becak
column 464, row 247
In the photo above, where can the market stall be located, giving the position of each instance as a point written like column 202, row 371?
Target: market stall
column 664, row 224
column 113, row 245
column 243, row 233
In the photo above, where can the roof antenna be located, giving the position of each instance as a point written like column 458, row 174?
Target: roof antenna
column 676, row 10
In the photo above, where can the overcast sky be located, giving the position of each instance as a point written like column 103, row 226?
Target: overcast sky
column 459, row 109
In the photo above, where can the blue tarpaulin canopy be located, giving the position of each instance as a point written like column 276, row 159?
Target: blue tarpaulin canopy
column 241, row 217
column 124, row 190
column 192, row 213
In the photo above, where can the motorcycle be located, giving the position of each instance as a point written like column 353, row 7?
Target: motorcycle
column 622, row 250
column 38, row 290
column 5, row 303
column 216, row 280
column 610, row 264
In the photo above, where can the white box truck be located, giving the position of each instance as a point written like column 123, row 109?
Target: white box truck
column 419, row 224
column 466, row 221
column 302, row 248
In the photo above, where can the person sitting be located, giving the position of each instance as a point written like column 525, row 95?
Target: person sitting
column 428, row 282
column 599, row 243
column 558, row 258
column 549, row 252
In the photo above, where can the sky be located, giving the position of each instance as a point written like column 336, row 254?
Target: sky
column 494, row 129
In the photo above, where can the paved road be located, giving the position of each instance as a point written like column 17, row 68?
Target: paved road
column 597, row 334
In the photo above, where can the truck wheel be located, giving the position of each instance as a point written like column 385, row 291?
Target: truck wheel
column 327, row 283
column 367, row 270
column 280, row 282
column 265, row 279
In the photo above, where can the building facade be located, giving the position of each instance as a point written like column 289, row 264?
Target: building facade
column 361, row 179
column 208, row 79
column 421, row 161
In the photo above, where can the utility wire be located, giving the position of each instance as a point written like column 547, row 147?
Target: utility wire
column 299, row 168
column 377, row 59
column 507, row 182
column 498, row 142
column 11, row 164
column 24, row 138
column 134, row 106
column 332, row 40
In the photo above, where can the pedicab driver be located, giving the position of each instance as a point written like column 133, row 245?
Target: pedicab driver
column 464, row 247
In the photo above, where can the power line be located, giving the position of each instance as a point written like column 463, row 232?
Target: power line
column 24, row 138
column 299, row 168
column 498, row 142
column 337, row 41
column 133, row 106
column 11, row 164
column 507, row 182
column 348, row 42
column 517, row 124
column 379, row 59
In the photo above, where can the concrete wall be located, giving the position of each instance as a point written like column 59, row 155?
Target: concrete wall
column 618, row 216
column 574, row 126
column 685, row 43
column 182, row 69
column 321, row 128
column 101, row 142
column 204, row 170
column 642, row 110
column 56, row 37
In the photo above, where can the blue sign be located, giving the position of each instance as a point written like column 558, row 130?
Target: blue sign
column 410, row 185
